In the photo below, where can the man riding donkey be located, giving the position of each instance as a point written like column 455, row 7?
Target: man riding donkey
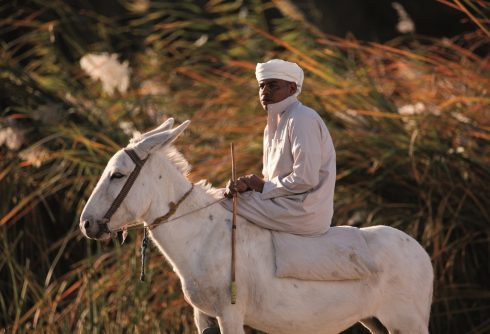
column 296, row 192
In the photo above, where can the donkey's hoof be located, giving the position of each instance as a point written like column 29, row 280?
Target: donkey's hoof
column 211, row 330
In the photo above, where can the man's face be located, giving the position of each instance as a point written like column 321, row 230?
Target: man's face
column 275, row 90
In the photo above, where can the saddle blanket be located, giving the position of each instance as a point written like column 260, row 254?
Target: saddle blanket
column 339, row 254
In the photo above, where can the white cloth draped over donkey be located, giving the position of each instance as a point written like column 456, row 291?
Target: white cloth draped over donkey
column 197, row 244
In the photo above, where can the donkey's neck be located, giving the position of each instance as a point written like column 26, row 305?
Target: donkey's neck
column 189, row 243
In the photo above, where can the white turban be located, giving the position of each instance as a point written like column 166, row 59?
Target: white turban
column 280, row 69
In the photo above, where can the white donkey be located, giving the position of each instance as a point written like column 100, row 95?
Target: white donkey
column 197, row 243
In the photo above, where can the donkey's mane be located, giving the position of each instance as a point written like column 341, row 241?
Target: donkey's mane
column 212, row 191
column 177, row 159
column 184, row 167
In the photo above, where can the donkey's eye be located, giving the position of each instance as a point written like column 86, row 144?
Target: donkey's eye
column 116, row 175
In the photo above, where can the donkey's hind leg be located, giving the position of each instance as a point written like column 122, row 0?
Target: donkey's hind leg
column 374, row 325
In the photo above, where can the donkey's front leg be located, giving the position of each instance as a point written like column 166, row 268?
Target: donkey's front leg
column 231, row 321
column 202, row 320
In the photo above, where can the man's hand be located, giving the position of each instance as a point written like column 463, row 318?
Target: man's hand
column 244, row 183
column 233, row 188
column 253, row 182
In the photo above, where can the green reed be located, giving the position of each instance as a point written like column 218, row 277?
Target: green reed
column 409, row 120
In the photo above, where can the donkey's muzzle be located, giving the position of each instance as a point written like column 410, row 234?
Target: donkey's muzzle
column 95, row 229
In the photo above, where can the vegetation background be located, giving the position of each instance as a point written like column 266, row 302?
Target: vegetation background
column 410, row 119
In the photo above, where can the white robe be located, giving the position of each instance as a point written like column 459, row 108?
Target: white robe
column 299, row 170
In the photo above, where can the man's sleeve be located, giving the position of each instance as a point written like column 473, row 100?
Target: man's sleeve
column 305, row 134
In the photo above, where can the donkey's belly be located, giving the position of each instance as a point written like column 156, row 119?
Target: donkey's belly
column 294, row 306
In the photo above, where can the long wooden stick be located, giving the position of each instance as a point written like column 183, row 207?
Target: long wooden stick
column 233, row 287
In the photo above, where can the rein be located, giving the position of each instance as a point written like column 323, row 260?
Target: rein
column 162, row 221
column 172, row 208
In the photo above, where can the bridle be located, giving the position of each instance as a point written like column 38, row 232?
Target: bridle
column 104, row 224
column 127, row 186
column 173, row 206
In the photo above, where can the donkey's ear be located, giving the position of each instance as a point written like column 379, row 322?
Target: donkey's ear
column 178, row 130
column 162, row 127
column 158, row 140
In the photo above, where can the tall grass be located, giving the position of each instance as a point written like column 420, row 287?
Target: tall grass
column 409, row 120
